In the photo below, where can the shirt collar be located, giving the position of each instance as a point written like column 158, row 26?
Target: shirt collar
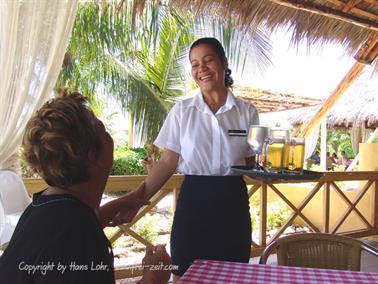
column 200, row 104
column 230, row 102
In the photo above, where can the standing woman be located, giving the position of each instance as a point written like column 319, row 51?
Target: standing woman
column 204, row 136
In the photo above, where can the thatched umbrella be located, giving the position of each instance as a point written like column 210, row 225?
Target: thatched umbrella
column 357, row 110
column 357, row 107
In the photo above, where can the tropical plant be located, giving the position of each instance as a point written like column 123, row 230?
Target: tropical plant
column 138, row 66
column 139, row 60
column 127, row 161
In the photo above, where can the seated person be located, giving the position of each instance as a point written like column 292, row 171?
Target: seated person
column 344, row 160
column 329, row 162
column 335, row 158
column 316, row 158
column 59, row 237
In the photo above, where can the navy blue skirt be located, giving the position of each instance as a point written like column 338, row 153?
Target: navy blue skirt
column 211, row 221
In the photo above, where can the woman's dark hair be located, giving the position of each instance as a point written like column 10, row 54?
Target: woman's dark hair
column 218, row 48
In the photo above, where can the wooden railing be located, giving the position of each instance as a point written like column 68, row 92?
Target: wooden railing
column 368, row 180
column 326, row 185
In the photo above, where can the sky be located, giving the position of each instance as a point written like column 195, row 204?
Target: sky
column 308, row 73
column 313, row 74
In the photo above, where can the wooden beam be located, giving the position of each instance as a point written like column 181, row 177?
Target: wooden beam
column 347, row 176
column 374, row 214
column 368, row 51
column 366, row 54
column 293, row 207
column 372, row 2
column 263, row 213
column 355, row 10
column 351, row 206
column 333, row 98
column 323, row 145
column 328, row 12
column 349, row 5
column 326, row 207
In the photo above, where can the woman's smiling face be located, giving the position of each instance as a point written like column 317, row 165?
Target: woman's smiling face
column 207, row 68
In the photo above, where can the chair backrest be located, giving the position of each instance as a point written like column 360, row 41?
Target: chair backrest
column 317, row 250
column 13, row 195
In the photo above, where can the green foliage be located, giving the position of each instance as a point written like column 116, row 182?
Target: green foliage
column 127, row 161
column 277, row 213
column 339, row 140
column 146, row 227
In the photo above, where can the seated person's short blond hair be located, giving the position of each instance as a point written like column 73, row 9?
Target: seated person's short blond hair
column 59, row 139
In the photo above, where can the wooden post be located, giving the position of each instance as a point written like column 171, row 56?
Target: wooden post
column 375, row 205
column 263, row 213
column 326, row 203
column 175, row 192
column 323, row 145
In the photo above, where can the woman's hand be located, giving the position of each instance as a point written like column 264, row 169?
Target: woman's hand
column 124, row 209
column 156, row 266
column 131, row 204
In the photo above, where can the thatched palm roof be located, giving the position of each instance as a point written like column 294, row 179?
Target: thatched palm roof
column 268, row 101
column 358, row 105
column 349, row 23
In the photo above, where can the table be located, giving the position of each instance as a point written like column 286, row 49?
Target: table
column 216, row 272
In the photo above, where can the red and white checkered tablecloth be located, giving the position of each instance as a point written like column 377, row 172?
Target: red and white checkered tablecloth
column 216, row 272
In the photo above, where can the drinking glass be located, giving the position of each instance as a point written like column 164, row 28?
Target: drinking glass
column 275, row 148
column 294, row 153
column 257, row 136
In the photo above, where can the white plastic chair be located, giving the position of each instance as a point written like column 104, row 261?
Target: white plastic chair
column 13, row 201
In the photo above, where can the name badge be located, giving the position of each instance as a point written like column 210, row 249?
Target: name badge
column 237, row 132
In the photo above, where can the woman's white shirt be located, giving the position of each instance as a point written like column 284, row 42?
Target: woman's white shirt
column 202, row 138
